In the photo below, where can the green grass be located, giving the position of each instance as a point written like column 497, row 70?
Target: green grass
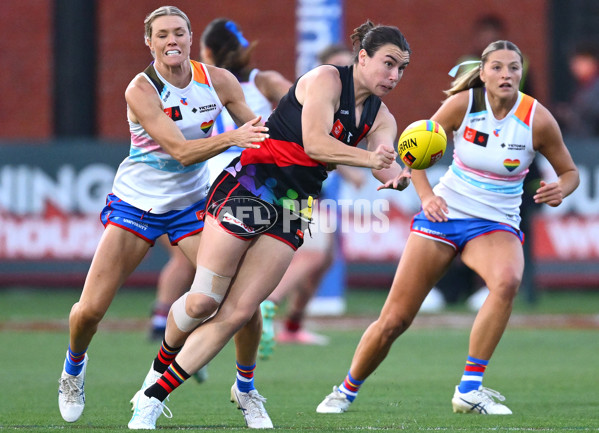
column 549, row 376
column 55, row 304
column 559, row 302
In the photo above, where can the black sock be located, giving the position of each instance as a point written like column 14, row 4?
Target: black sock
column 173, row 377
column 165, row 356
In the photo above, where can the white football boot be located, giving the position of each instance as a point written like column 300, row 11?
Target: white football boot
column 146, row 410
column 335, row 402
column 481, row 400
column 252, row 405
column 149, row 380
column 71, row 394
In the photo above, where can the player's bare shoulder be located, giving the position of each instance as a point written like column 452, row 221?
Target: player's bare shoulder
column 545, row 129
column 452, row 111
column 225, row 84
column 268, row 77
column 323, row 80
column 139, row 94
column 543, row 118
column 138, row 85
column 272, row 84
column 459, row 101
column 220, row 77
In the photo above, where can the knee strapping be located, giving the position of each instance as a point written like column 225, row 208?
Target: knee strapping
column 210, row 284
column 206, row 283
column 184, row 321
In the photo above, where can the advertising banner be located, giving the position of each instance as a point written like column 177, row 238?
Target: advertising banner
column 50, row 201
column 51, row 197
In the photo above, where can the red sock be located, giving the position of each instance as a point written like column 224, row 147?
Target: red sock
column 173, row 377
column 292, row 325
column 165, row 357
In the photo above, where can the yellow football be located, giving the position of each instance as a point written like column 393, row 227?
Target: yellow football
column 422, row 144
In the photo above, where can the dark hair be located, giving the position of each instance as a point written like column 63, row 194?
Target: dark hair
column 371, row 37
column 228, row 45
column 471, row 78
column 587, row 48
column 490, row 22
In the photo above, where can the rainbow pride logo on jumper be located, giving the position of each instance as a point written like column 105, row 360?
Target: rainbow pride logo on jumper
column 206, row 126
column 511, row 164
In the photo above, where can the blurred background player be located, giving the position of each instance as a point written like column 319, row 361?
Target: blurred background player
column 336, row 54
column 222, row 44
column 485, row 30
column 311, row 262
column 580, row 116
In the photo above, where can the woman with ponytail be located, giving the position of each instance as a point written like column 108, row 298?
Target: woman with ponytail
column 259, row 207
column 473, row 210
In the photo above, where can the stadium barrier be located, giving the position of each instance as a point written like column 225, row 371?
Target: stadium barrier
column 51, row 196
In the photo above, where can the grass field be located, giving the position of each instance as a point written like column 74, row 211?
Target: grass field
column 549, row 375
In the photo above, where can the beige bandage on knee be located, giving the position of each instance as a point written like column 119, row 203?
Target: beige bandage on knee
column 184, row 321
column 210, row 284
column 207, row 283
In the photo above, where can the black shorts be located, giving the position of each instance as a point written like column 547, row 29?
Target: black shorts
column 246, row 216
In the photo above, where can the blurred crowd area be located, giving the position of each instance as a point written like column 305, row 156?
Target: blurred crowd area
column 69, row 74
column 64, row 128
